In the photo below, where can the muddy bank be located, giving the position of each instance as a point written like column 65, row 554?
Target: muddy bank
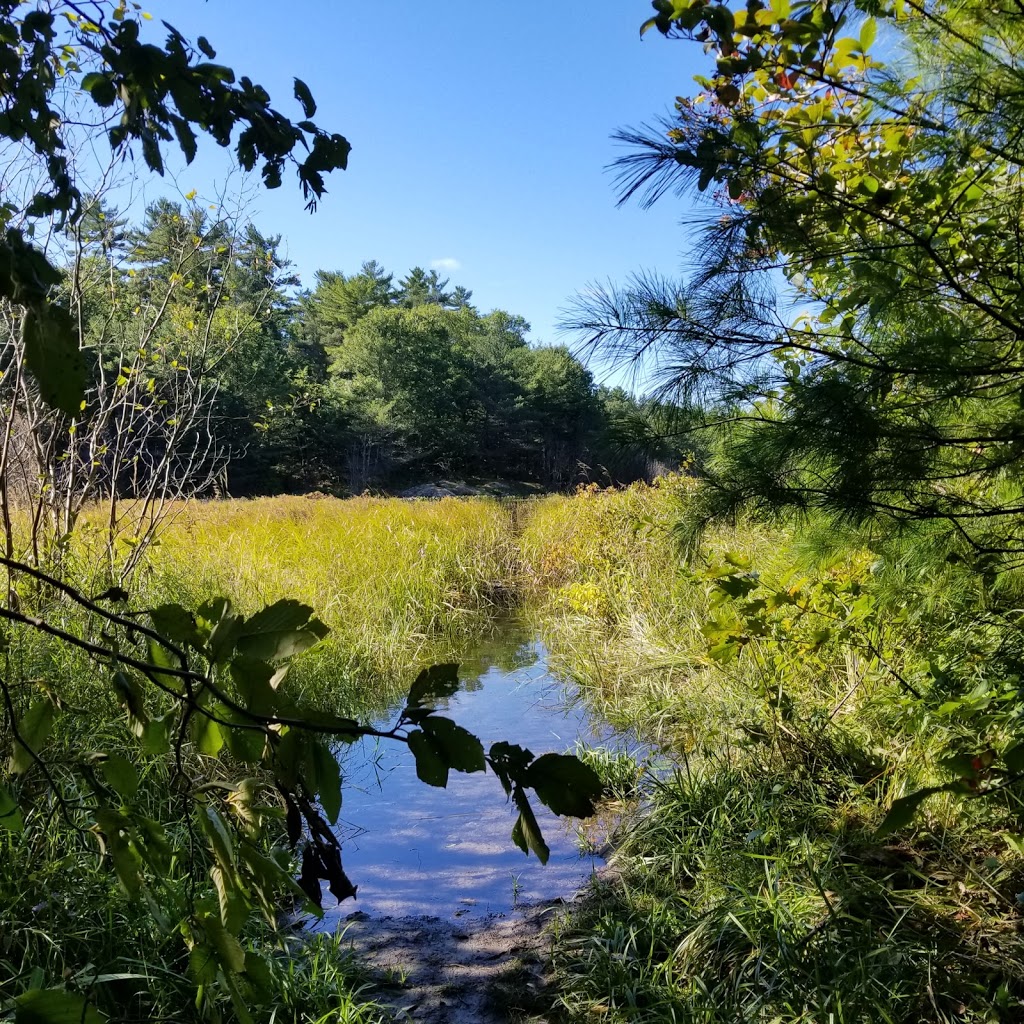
column 465, row 971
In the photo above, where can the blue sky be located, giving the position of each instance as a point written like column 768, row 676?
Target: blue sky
column 480, row 134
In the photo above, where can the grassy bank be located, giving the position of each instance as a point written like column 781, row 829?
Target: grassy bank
column 788, row 681
column 400, row 585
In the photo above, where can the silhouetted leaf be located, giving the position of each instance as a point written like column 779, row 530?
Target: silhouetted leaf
column 458, row 747
column 305, row 97
column 433, row 684
column 431, row 767
column 565, row 784
column 509, row 762
column 52, row 354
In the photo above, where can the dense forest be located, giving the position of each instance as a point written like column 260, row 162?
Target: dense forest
column 362, row 382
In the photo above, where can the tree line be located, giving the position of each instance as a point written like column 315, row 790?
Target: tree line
column 364, row 381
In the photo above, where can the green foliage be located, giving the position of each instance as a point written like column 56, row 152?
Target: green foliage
column 165, row 94
column 881, row 176
column 840, row 831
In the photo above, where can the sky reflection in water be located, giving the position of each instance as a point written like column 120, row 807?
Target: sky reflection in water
column 416, row 849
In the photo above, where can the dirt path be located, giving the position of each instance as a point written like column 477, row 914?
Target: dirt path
column 488, row 970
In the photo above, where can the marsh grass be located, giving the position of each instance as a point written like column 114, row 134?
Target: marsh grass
column 754, row 888
column 401, row 584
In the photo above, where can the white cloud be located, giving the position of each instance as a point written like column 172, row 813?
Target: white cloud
column 446, row 263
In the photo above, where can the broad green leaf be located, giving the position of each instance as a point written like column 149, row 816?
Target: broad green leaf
column 156, row 735
column 281, row 644
column 120, row 848
column 225, row 627
column 259, row 975
column 565, row 784
column 234, row 911
column 252, row 678
column 10, row 812
column 868, row 32
column 161, row 658
column 120, row 775
column 326, row 778
column 220, row 838
column 54, row 1006
column 33, row 729
column 202, row 964
column 153, row 844
column 207, row 735
column 244, row 742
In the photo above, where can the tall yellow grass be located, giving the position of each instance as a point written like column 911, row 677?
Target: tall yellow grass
column 397, row 582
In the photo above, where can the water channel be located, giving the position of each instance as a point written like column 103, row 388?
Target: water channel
column 416, row 850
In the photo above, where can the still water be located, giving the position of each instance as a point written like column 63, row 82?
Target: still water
column 413, row 849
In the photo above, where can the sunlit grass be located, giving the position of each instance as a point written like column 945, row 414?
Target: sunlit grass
column 399, row 583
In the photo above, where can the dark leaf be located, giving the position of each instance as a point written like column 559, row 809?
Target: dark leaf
column 53, row 356
column 305, row 97
column 431, row 766
column 458, row 747
column 509, row 762
column 433, row 684
column 1014, row 759
column 565, row 784
column 177, row 624
column 312, row 872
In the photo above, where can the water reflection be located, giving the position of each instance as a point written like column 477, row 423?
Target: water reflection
column 415, row 849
